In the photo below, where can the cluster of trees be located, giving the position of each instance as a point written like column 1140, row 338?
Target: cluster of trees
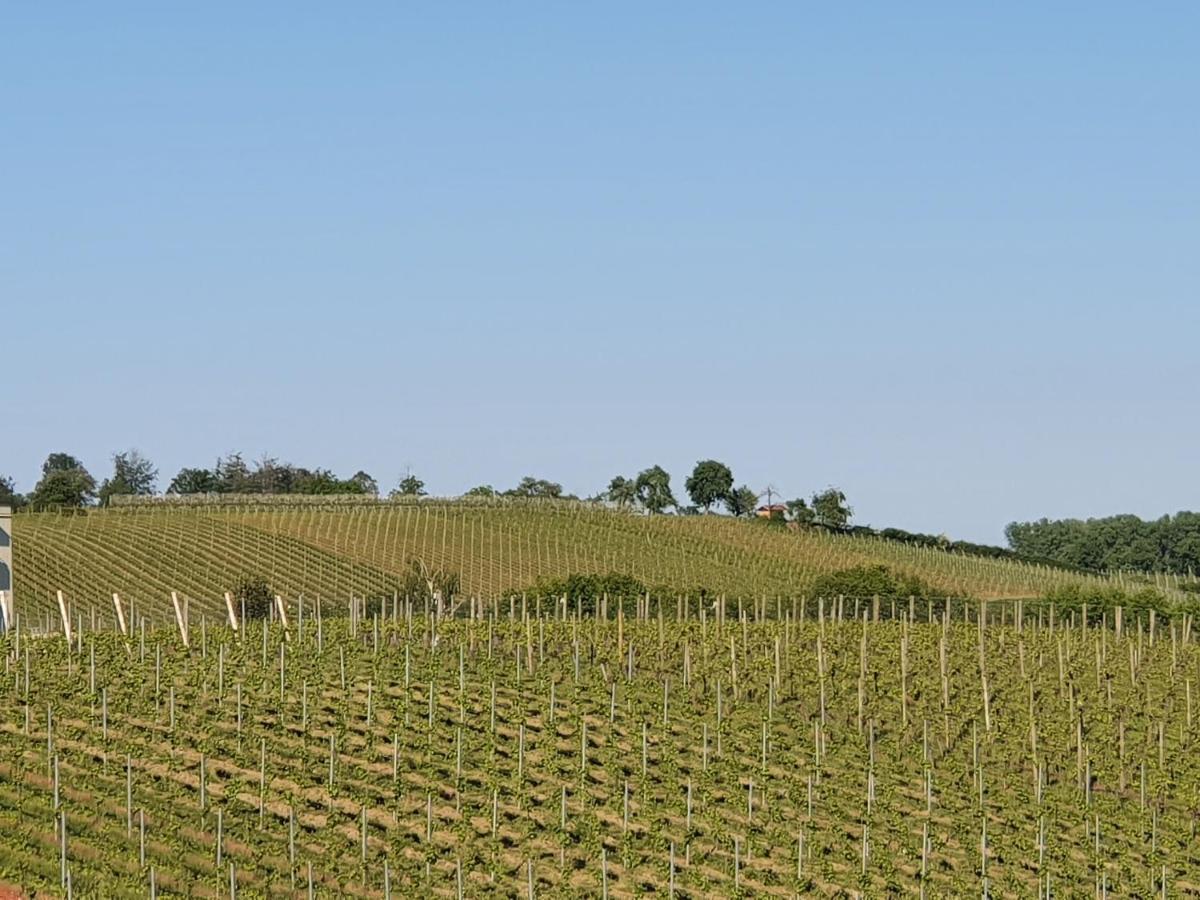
column 66, row 482
column 1169, row 544
column 711, row 484
column 233, row 475
column 526, row 487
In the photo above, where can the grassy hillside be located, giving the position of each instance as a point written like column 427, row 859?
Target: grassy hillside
column 333, row 551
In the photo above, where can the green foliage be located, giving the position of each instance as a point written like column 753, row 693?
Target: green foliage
column 741, row 502
column 1115, row 543
column 830, row 509
column 8, row 493
column 585, row 591
column 193, row 481
column 654, row 489
column 1071, row 598
column 321, row 482
column 800, row 512
column 232, row 475
column 622, row 491
column 65, row 483
column 711, row 482
column 481, row 490
column 253, row 597
column 537, row 488
column 410, row 486
column 362, row 483
column 132, row 474
column 874, row 581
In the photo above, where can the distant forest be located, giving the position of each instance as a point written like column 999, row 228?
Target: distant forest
column 1127, row 543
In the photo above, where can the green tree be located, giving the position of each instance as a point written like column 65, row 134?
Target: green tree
column 132, row 474
column 8, row 493
column 410, row 486
column 270, row 476
column 233, row 476
column 65, row 482
column 193, row 481
column 536, row 487
column 654, row 489
column 363, row 484
column 481, row 490
column 799, row 511
column 622, row 491
column 710, row 482
column 742, row 502
column 320, row 482
column 830, row 509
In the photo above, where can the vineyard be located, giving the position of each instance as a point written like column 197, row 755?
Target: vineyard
column 769, row 748
column 360, row 740
column 338, row 551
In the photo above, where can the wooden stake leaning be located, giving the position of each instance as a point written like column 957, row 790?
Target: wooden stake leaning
column 283, row 619
column 66, row 619
column 233, row 622
column 120, row 615
column 179, row 619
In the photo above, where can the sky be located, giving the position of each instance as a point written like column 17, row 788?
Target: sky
column 941, row 255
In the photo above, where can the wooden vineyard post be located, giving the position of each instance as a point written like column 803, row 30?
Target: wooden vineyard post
column 120, row 615
column 179, row 619
column 66, row 619
column 233, row 622
column 283, row 620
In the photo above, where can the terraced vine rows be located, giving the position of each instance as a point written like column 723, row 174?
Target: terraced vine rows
column 518, row 752
column 335, row 551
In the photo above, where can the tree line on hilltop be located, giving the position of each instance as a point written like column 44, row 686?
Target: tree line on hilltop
column 66, row 483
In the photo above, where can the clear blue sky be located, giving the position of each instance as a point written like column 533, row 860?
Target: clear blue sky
column 941, row 255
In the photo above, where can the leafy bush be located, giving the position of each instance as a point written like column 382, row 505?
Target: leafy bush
column 1071, row 598
column 585, row 591
column 254, row 595
column 875, row 581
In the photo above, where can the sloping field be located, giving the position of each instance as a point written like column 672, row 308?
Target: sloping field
column 336, row 551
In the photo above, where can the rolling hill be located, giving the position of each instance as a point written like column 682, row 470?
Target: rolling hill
column 337, row 550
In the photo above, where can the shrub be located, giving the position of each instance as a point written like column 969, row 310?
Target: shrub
column 585, row 591
column 1070, row 598
column 254, row 595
